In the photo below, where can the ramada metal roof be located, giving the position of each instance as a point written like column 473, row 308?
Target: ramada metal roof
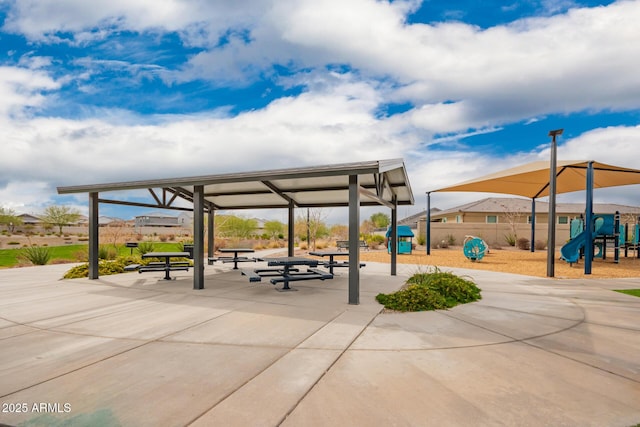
column 320, row 186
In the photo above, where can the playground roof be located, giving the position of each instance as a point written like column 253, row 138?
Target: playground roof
column 532, row 179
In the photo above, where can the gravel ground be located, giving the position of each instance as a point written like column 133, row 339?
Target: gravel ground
column 515, row 261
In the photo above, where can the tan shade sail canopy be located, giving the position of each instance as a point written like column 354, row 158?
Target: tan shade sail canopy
column 532, row 179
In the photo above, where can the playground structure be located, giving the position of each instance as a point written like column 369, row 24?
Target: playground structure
column 606, row 229
column 405, row 239
column 474, row 248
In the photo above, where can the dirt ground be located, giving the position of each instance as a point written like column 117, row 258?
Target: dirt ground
column 516, row 261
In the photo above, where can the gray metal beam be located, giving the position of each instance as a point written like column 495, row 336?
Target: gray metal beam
column 371, row 195
column 94, row 244
column 198, row 237
column 143, row 205
column 354, row 240
column 279, row 192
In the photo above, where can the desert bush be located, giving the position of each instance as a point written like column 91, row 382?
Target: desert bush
column 81, row 256
column 105, row 267
column 451, row 239
column 439, row 244
column 13, row 243
column 511, row 239
column 523, row 243
column 107, row 252
column 163, row 238
column 303, row 246
column 431, row 291
column 274, row 245
column 37, row 255
column 540, row 245
column 144, row 247
column 421, row 240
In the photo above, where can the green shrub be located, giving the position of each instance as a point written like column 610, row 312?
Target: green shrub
column 37, row 255
column 376, row 239
column 145, row 247
column 105, row 267
column 511, row 239
column 431, row 291
column 107, row 252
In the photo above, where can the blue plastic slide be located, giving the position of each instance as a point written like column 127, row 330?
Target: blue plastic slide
column 571, row 250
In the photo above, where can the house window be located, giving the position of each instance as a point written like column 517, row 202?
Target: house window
column 529, row 219
column 458, row 218
column 492, row 219
column 563, row 220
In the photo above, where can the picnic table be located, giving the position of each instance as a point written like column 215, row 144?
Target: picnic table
column 168, row 265
column 287, row 270
column 235, row 259
column 331, row 264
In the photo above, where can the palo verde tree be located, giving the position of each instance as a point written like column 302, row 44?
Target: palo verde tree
column 380, row 220
column 235, row 227
column 59, row 216
column 312, row 222
column 274, row 229
column 9, row 219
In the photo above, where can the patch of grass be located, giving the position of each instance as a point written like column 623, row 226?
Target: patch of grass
column 69, row 253
column 431, row 291
column 634, row 292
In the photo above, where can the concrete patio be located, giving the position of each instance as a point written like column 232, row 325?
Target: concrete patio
column 134, row 350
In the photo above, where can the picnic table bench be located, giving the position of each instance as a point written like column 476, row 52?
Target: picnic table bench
column 235, row 259
column 344, row 244
column 286, row 270
column 166, row 266
column 332, row 263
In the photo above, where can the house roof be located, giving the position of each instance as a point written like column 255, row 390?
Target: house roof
column 532, row 179
column 320, row 186
column 513, row 204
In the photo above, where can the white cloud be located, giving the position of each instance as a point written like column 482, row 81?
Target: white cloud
column 21, row 88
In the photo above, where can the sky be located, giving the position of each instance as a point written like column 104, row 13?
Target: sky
column 118, row 90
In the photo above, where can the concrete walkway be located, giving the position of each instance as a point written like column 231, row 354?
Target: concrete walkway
column 134, row 350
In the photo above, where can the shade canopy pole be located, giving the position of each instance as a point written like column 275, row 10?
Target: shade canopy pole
column 290, row 230
column 551, row 241
column 354, row 240
column 428, row 225
column 394, row 237
column 533, row 225
column 211, row 233
column 588, row 246
column 198, row 237
column 93, row 236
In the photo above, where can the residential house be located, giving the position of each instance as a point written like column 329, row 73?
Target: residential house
column 498, row 219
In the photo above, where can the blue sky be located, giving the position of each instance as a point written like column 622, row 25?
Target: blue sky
column 114, row 90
